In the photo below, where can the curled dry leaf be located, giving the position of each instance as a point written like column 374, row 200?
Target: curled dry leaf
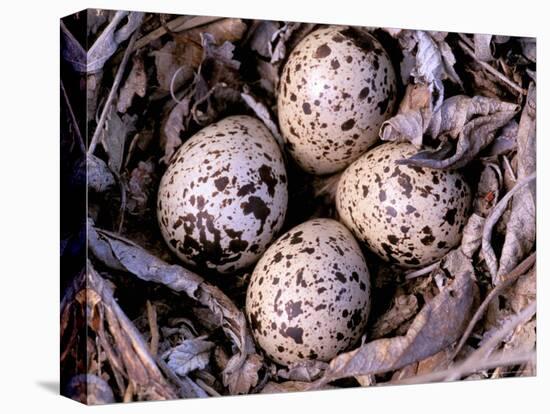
column 121, row 254
column 428, row 59
column 173, row 125
column 305, row 371
column 404, row 307
column 113, row 138
column 474, row 121
column 185, row 53
column 437, row 325
column 136, row 84
column 188, row 356
column 105, row 45
column 482, row 47
column 487, row 249
column 260, row 40
column 263, row 113
column 140, row 187
column 100, row 178
column 412, row 118
column 521, row 227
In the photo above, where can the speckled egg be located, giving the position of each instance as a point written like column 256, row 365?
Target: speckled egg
column 336, row 89
column 308, row 296
column 408, row 215
column 224, row 195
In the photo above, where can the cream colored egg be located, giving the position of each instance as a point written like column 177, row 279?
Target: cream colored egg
column 408, row 215
column 336, row 89
column 224, row 195
column 308, row 296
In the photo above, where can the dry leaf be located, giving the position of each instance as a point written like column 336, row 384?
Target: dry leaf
column 474, row 121
column 439, row 323
column 245, row 377
column 173, row 125
column 521, row 227
column 260, row 40
column 113, row 139
column 121, row 254
column 263, row 113
column 100, row 178
column 482, row 47
column 140, row 187
column 403, row 308
column 304, row 371
column 136, row 84
column 188, row 356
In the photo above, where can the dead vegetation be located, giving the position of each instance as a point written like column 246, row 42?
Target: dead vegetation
column 143, row 327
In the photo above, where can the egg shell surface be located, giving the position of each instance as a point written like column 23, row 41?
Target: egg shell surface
column 308, row 296
column 337, row 87
column 407, row 215
column 223, row 198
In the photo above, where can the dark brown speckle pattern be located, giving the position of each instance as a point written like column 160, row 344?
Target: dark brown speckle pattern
column 224, row 195
column 308, row 296
column 336, row 89
column 407, row 215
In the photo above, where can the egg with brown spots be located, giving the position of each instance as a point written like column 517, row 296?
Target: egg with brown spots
column 337, row 88
column 308, row 296
column 224, row 195
column 409, row 216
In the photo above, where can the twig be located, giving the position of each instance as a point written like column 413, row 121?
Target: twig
column 503, row 358
column 112, row 93
column 179, row 24
column 129, row 393
column 481, row 355
column 153, row 326
column 423, row 271
column 73, row 119
column 507, row 281
column 209, row 390
column 498, row 210
column 492, row 70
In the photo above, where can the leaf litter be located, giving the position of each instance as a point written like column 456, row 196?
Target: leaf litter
column 468, row 102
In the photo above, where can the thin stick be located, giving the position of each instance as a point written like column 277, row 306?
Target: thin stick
column 129, row 393
column 179, row 24
column 153, row 326
column 423, row 271
column 73, row 119
column 507, row 281
column 503, row 358
column 112, row 93
column 492, row 70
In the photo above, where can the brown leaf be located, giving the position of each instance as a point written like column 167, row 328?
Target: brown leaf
column 241, row 380
column 412, row 118
column 261, row 111
column 119, row 253
column 474, row 121
column 304, row 371
column 140, row 187
column 174, row 124
column 113, row 139
column 261, row 38
column 100, row 178
column 136, row 84
column 521, row 227
column 185, row 52
column 403, row 308
column 439, row 324
column 189, row 355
